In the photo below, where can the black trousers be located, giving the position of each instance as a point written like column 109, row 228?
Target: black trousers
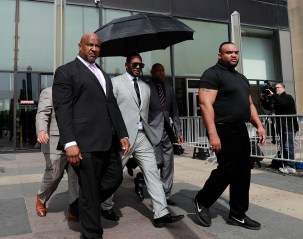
column 100, row 174
column 233, row 170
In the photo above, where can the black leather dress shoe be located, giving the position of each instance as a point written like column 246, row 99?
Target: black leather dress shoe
column 84, row 237
column 110, row 215
column 139, row 183
column 171, row 202
column 73, row 213
column 168, row 218
column 130, row 171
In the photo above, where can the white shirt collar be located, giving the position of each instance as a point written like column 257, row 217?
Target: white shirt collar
column 84, row 61
column 130, row 77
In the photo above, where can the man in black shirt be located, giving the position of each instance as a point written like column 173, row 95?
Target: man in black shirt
column 226, row 104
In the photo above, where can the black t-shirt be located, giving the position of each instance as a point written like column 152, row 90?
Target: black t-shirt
column 232, row 101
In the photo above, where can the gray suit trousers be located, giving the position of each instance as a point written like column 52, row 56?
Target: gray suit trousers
column 144, row 154
column 55, row 165
column 165, row 160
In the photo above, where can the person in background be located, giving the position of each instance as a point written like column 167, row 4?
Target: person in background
column 226, row 104
column 286, row 126
column 55, row 160
column 92, row 130
column 162, row 108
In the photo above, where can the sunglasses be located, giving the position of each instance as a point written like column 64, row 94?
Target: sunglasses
column 136, row 64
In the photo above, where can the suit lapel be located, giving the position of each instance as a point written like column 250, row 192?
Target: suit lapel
column 144, row 91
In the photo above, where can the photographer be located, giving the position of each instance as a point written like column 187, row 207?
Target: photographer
column 267, row 101
column 286, row 126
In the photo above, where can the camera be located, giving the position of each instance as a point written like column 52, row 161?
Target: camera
column 266, row 98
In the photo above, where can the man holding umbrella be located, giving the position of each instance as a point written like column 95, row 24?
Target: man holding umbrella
column 133, row 96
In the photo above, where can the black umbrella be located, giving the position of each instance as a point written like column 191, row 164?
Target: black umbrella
column 141, row 33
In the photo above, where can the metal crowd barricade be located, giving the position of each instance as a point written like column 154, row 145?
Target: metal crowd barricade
column 276, row 127
column 194, row 134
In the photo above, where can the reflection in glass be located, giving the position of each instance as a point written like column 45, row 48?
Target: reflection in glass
column 27, row 102
column 6, row 112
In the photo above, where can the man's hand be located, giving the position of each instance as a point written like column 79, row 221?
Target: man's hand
column 215, row 143
column 42, row 137
column 73, row 155
column 261, row 134
column 180, row 139
column 270, row 92
column 125, row 146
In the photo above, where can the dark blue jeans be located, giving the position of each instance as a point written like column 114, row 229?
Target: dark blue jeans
column 288, row 147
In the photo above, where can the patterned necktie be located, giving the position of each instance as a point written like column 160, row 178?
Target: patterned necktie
column 161, row 95
column 100, row 79
column 136, row 86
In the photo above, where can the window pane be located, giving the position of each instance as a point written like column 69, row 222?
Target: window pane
column 46, row 81
column 7, row 27
column 113, row 65
column 157, row 56
column 258, row 58
column 78, row 21
column 194, row 56
column 36, row 36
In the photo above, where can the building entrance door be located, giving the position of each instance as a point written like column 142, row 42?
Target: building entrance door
column 26, row 109
column 193, row 108
column 193, row 100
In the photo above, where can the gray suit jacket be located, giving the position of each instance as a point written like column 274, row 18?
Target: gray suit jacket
column 128, row 103
column 46, row 121
column 157, row 114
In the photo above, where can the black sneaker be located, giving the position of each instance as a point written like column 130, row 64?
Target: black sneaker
column 245, row 222
column 202, row 214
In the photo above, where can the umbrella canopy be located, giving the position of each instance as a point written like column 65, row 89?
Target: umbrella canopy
column 141, row 33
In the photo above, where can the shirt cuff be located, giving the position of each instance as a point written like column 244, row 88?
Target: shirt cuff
column 70, row 144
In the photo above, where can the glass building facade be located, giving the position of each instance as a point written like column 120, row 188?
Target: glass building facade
column 28, row 50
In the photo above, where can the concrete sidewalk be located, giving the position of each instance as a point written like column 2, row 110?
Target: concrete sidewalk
column 276, row 202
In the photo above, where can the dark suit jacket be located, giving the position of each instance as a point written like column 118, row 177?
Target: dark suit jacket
column 157, row 116
column 285, row 105
column 84, row 113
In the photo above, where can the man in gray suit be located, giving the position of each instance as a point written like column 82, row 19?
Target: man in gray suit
column 162, row 107
column 48, row 136
column 133, row 96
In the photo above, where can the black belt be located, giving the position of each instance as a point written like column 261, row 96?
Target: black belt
column 231, row 124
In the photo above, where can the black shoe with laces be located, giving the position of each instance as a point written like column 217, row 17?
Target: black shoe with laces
column 166, row 219
column 110, row 214
column 245, row 222
column 202, row 213
column 171, row 202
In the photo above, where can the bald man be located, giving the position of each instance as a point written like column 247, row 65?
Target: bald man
column 92, row 130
